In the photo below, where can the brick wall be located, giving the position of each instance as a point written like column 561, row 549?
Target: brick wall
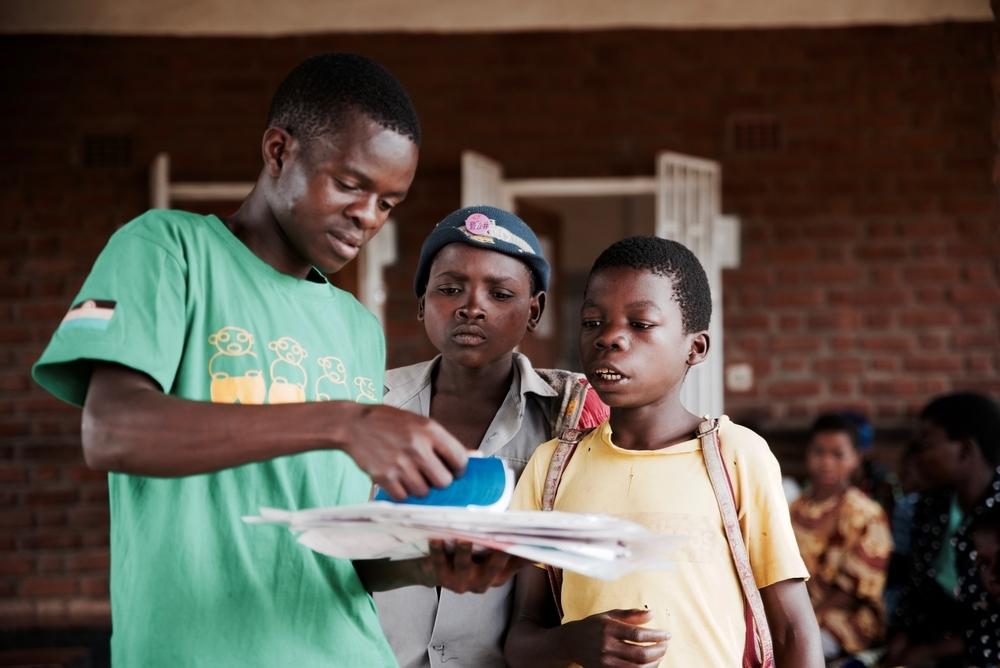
column 869, row 272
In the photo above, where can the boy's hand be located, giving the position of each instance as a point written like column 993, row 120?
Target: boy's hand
column 404, row 453
column 457, row 568
column 615, row 638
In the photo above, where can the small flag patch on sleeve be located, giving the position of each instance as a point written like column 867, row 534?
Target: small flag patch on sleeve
column 90, row 314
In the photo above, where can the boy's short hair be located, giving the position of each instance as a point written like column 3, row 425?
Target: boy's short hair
column 667, row 258
column 836, row 422
column 968, row 415
column 317, row 96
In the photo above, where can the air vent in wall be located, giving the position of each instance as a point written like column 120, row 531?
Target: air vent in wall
column 753, row 133
column 107, row 151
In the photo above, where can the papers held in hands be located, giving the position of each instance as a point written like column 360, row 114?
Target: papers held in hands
column 471, row 509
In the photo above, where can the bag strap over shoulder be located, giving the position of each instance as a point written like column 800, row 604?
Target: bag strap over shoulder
column 568, row 440
column 758, row 650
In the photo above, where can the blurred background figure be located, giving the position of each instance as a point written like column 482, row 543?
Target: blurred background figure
column 872, row 477
column 946, row 615
column 901, row 522
column 844, row 539
column 985, row 533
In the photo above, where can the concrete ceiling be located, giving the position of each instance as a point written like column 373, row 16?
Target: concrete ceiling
column 269, row 18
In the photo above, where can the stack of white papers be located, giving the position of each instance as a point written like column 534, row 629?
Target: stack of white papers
column 599, row 546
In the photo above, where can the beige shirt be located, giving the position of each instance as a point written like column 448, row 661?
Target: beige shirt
column 456, row 630
column 699, row 600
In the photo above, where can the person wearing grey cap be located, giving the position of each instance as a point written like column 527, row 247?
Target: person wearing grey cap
column 480, row 285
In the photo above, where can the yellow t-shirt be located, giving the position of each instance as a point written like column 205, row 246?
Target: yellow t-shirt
column 699, row 601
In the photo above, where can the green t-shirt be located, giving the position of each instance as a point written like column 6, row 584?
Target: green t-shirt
column 177, row 296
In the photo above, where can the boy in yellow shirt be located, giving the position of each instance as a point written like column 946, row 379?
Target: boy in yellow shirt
column 644, row 322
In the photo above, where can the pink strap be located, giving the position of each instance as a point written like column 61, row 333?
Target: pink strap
column 758, row 650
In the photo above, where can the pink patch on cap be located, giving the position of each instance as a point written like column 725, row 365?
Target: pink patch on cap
column 478, row 223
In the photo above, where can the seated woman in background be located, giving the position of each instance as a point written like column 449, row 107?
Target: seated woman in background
column 844, row 539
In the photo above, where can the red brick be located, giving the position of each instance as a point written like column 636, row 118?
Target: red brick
column 788, row 343
column 833, row 273
column 983, row 275
column 834, row 319
column 50, row 563
column 839, row 365
column 48, row 539
column 978, row 317
column 12, row 473
column 95, row 540
column 46, row 473
column 881, row 297
column 758, row 321
column 13, row 564
column 886, row 343
column 885, row 364
column 89, row 517
column 975, row 294
column 893, row 387
column 94, row 494
column 780, row 297
column 980, row 363
column 878, row 320
column 927, row 317
column 86, row 474
column 40, row 587
column 925, row 273
column 793, row 364
column 842, row 386
column 967, row 339
column 929, row 228
column 794, row 389
column 790, row 322
column 15, row 518
column 51, row 517
column 89, row 561
column 51, row 497
column 881, row 251
column 94, row 586
column 932, row 342
column 14, row 382
column 940, row 362
column 841, row 343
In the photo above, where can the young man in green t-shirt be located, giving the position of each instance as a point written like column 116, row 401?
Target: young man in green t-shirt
column 199, row 348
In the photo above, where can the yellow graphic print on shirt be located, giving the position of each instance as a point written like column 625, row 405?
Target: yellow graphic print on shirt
column 366, row 389
column 288, row 376
column 234, row 369
column 333, row 373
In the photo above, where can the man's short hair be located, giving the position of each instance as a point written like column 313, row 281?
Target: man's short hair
column 674, row 260
column 317, row 97
column 968, row 415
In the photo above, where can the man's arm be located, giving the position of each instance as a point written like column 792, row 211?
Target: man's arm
column 131, row 426
column 537, row 639
column 793, row 625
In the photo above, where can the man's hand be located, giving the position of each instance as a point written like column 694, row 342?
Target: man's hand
column 404, row 453
column 454, row 566
column 615, row 638
column 461, row 570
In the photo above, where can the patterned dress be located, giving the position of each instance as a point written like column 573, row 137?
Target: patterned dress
column 982, row 613
column 845, row 543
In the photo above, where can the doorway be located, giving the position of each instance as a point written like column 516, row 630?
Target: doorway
column 577, row 218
